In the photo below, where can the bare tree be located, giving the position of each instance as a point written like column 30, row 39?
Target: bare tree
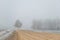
column 57, row 23
column 34, row 24
column 37, row 25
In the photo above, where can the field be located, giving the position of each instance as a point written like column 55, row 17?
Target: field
column 30, row 35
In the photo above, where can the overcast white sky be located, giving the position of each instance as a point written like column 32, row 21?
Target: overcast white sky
column 27, row 10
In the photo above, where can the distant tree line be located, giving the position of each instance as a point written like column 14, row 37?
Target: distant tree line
column 48, row 24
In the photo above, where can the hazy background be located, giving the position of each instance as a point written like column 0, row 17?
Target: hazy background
column 26, row 11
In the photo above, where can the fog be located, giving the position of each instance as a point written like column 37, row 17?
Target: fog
column 26, row 11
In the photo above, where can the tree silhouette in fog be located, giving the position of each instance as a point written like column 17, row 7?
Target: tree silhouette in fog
column 18, row 24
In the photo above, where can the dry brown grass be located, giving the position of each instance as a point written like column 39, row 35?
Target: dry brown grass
column 29, row 35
